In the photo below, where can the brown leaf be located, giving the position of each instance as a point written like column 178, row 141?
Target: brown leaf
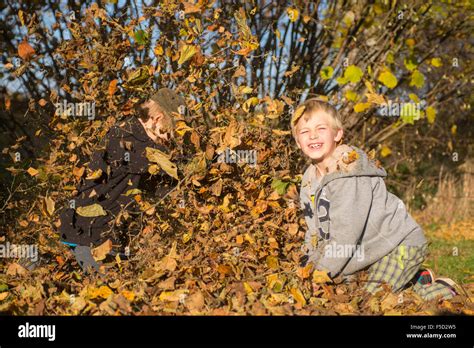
column 102, row 250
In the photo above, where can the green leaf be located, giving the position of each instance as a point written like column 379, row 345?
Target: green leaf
column 353, row 74
column 417, row 79
column 388, row 79
column 279, row 186
column 141, row 37
column 326, row 72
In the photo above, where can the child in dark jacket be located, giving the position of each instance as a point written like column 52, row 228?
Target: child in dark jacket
column 116, row 172
column 354, row 223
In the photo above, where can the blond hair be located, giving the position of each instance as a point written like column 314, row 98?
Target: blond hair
column 309, row 107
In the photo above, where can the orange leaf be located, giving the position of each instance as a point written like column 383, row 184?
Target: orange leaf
column 113, row 87
column 25, row 51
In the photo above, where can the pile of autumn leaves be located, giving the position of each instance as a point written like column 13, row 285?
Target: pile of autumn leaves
column 226, row 242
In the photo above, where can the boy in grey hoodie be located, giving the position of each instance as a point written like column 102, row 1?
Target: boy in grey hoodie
column 354, row 223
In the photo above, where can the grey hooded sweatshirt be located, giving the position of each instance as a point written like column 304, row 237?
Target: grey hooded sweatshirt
column 353, row 221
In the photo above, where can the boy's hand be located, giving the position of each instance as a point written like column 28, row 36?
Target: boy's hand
column 303, row 260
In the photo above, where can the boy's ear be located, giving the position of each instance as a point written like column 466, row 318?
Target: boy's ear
column 298, row 143
column 339, row 135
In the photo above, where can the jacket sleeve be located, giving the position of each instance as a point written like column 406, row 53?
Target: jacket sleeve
column 350, row 205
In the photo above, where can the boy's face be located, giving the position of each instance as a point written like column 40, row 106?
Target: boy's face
column 316, row 136
column 156, row 123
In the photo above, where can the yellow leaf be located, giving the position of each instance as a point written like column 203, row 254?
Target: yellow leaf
column 162, row 159
column 297, row 294
column 248, row 288
column 272, row 262
column 186, row 53
column 297, row 114
column 388, row 79
column 417, row 79
column 385, row 151
column 454, row 129
column 410, row 42
column 280, row 132
column 32, row 171
column 430, row 114
column 320, row 277
column 187, row 237
column 414, row 97
column 158, row 50
column 248, row 103
column 129, row 295
column 361, row 107
column 49, row 205
column 245, row 89
column 21, row 15
column 351, row 95
column 99, row 253
column 94, row 175
column 436, row 62
column 305, row 272
column 293, row 14
column 134, row 191
column 92, row 210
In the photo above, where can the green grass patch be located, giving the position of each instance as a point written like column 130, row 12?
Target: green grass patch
column 452, row 259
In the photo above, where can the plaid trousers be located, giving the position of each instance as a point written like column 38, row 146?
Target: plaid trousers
column 399, row 268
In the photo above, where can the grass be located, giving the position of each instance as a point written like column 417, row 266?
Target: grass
column 453, row 259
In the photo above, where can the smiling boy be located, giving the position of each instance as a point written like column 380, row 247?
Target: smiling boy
column 354, row 223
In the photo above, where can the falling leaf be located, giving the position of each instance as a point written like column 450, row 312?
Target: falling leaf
column 92, row 210
column 162, row 159
column 186, row 52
